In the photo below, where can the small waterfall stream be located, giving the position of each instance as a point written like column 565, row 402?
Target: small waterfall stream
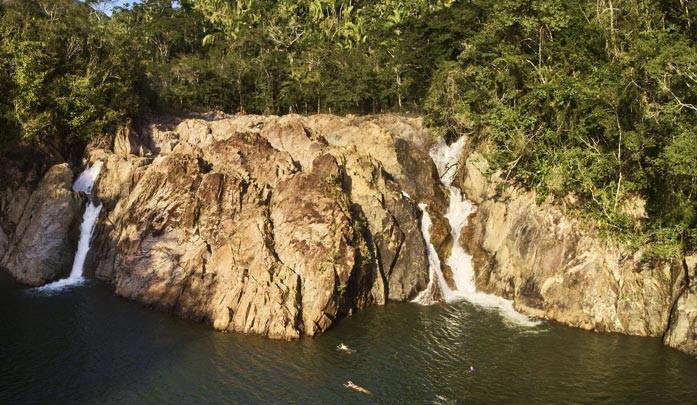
column 436, row 280
column 446, row 159
column 83, row 184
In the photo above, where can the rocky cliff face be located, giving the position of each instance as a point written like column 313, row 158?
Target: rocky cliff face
column 682, row 332
column 554, row 268
column 280, row 226
column 267, row 225
column 38, row 217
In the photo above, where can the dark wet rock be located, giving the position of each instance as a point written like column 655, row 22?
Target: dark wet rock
column 3, row 242
column 682, row 333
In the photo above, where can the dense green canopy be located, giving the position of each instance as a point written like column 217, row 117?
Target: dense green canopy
column 586, row 101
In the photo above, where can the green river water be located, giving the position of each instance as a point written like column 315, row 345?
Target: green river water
column 84, row 345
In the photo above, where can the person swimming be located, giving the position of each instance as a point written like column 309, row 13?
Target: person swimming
column 343, row 348
column 351, row 385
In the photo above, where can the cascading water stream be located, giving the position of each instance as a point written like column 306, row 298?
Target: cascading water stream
column 83, row 184
column 446, row 159
column 430, row 294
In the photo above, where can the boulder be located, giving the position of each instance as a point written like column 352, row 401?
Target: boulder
column 288, row 134
column 42, row 246
column 128, row 142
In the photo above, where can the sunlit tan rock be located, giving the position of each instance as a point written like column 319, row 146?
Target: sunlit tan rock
column 276, row 226
column 42, row 246
column 555, row 267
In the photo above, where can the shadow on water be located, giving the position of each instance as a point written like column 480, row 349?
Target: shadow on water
column 76, row 345
column 86, row 345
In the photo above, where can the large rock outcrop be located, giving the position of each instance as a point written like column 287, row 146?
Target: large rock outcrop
column 269, row 225
column 21, row 170
column 42, row 243
column 682, row 333
column 279, row 226
column 554, row 267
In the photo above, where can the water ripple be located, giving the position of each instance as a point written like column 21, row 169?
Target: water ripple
column 85, row 345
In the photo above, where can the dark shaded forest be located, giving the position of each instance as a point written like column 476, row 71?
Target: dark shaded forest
column 589, row 102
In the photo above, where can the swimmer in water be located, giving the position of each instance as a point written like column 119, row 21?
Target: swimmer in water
column 351, row 385
column 343, row 348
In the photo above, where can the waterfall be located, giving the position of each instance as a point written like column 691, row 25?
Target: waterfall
column 435, row 275
column 446, row 159
column 83, row 184
column 86, row 181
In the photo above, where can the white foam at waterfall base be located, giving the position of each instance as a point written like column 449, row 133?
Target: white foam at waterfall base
column 84, row 184
column 462, row 265
column 459, row 210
